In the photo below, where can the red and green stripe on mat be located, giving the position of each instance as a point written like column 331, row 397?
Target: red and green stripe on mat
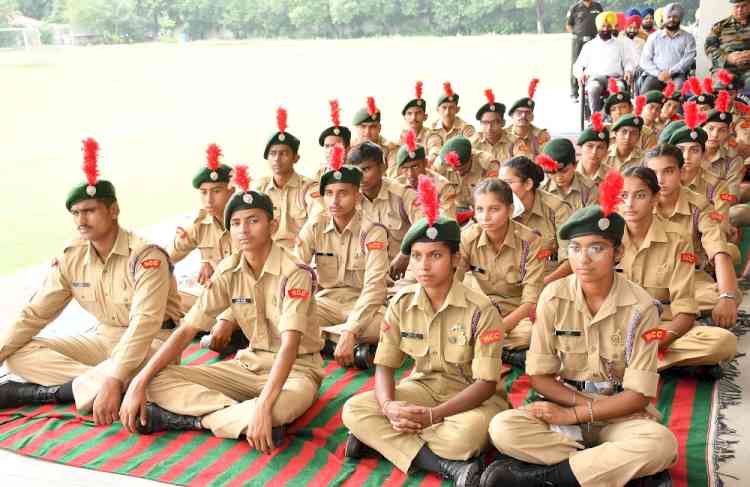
column 312, row 453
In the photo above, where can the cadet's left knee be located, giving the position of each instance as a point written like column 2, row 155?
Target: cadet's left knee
column 724, row 344
column 470, row 432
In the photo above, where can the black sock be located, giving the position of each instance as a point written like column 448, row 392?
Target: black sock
column 426, row 459
column 564, row 475
column 65, row 393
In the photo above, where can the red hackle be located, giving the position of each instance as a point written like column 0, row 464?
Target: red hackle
column 610, row 192
column 684, row 90
column 597, row 121
column 669, row 89
column 418, row 90
column 532, row 87
column 640, row 102
column 722, row 101
column 490, row 96
column 213, row 152
column 725, row 77
column 742, row 107
column 452, row 159
column 691, row 114
column 372, row 109
column 695, row 86
column 411, row 141
column 335, row 113
column 428, row 199
column 547, row 163
column 708, row 85
column 91, row 160
column 281, row 119
column 337, row 157
column 448, row 89
column 612, row 86
column 241, row 179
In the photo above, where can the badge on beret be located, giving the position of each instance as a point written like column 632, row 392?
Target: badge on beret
column 603, row 224
column 432, row 233
column 619, row 97
column 247, row 198
column 694, row 135
column 701, row 99
column 637, row 121
column 91, row 190
column 282, row 137
column 492, row 108
column 601, row 135
column 419, row 103
column 214, row 175
column 723, row 116
column 336, row 131
column 337, row 175
column 450, row 98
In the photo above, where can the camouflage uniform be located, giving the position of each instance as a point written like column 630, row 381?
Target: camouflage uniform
column 728, row 36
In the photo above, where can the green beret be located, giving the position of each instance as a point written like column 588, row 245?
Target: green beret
column 339, row 131
column 628, row 120
column 703, row 100
column 101, row 190
column 615, row 98
column 670, row 129
column 347, row 174
column 404, row 156
column 222, row 175
column 524, row 102
column 247, row 201
column 415, row 102
column 363, row 116
column 561, row 150
column 717, row 116
column 684, row 135
column 590, row 220
column 590, row 135
column 498, row 108
column 460, row 145
column 445, row 98
column 654, row 96
column 443, row 230
column 286, row 139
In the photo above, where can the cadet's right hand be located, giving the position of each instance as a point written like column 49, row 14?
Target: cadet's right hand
column 205, row 273
column 221, row 333
column 133, row 407
column 397, row 414
column 181, row 233
column 344, row 353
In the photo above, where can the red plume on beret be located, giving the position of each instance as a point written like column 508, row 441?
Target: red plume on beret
column 337, row 157
column 725, row 77
column 610, row 192
column 532, row 87
column 742, row 107
column 695, row 86
column 212, row 156
column 691, row 114
column 448, row 89
column 241, row 179
column 669, row 90
column 91, row 160
column 411, row 141
column 708, row 85
column 418, row 90
column 597, row 121
column 640, row 102
column 612, row 86
column 547, row 163
column 490, row 96
column 428, row 199
column 335, row 113
column 685, row 89
column 453, row 159
column 371, row 108
column 722, row 101
column 281, row 119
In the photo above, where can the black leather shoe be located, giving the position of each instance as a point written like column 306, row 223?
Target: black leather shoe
column 699, row 372
column 277, row 435
column 356, row 449
column 14, row 394
column 364, row 356
column 516, row 358
column 159, row 419
column 328, row 348
column 515, row 473
column 462, row 474
column 236, row 343
column 661, row 479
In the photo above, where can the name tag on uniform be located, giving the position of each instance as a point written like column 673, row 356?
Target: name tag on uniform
column 409, row 334
column 80, row 284
column 567, row 333
column 325, row 254
column 477, row 269
column 242, row 301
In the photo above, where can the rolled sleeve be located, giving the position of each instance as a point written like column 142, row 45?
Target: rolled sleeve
column 296, row 307
column 713, row 239
column 182, row 246
column 214, row 301
column 542, row 358
column 641, row 373
column 682, row 282
column 389, row 352
column 373, row 294
column 533, row 281
column 488, row 346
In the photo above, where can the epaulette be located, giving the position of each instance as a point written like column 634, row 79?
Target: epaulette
column 471, row 233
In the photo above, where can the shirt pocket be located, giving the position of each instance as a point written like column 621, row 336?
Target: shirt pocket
column 326, row 266
column 571, row 349
column 122, row 299
column 83, row 292
column 244, row 312
column 414, row 347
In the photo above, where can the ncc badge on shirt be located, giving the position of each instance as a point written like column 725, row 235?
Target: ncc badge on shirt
column 688, row 257
column 543, row 254
column 151, row 264
column 491, row 336
column 654, row 334
column 375, row 245
column 298, row 293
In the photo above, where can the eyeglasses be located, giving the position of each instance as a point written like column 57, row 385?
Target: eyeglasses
column 594, row 252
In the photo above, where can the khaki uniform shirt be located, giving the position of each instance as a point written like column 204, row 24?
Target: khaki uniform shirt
column 390, row 150
column 482, row 166
column 582, row 192
column 567, row 340
column 531, row 145
column 699, row 222
column 447, row 192
column 614, row 160
column 650, row 136
column 396, row 208
column 600, row 174
column 714, row 190
column 422, row 135
column 511, row 275
column 354, row 258
column 664, row 266
column 545, row 218
column 278, row 300
column 459, row 344
column 133, row 288
column 726, row 165
column 500, row 151
column 438, row 135
column 292, row 205
column 207, row 234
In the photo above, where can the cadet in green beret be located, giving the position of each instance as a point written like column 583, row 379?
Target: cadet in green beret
column 449, row 124
column 618, row 102
column 721, row 159
column 672, row 103
column 415, row 114
column 336, row 133
column 526, row 139
column 558, row 160
column 594, row 144
column 367, row 125
column 625, row 151
column 652, row 124
column 123, row 281
column 492, row 137
column 436, row 420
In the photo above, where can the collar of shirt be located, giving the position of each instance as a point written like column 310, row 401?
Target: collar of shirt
column 294, row 181
column 458, row 124
column 456, row 297
column 619, row 296
column 662, row 33
column 509, row 240
column 655, row 233
column 120, row 247
column 209, row 219
column 351, row 227
column 683, row 204
column 271, row 266
column 575, row 185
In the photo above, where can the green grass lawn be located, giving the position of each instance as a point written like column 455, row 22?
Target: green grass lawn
column 154, row 108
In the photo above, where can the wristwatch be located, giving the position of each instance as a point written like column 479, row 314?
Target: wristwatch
column 728, row 296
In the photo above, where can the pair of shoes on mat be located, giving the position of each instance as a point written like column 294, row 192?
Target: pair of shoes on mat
column 15, row 394
column 364, row 354
column 699, row 372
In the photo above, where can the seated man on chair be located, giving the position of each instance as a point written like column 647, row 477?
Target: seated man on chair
column 669, row 54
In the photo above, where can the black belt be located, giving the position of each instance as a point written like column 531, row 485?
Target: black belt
column 580, row 385
column 168, row 324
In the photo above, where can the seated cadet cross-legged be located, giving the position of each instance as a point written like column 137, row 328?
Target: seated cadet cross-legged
column 657, row 257
column 437, row 418
column 558, row 160
column 593, row 359
column 267, row 385
column 125, row 282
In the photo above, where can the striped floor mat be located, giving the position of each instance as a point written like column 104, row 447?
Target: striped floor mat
column 313, row 451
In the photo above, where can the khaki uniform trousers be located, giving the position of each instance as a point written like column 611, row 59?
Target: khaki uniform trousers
column 187, row 300
column 333, row 307
column 225, row 393
column 519, row 338
column 702, row 345
column 84, row 359
column 626, row 449
column 458, row 437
